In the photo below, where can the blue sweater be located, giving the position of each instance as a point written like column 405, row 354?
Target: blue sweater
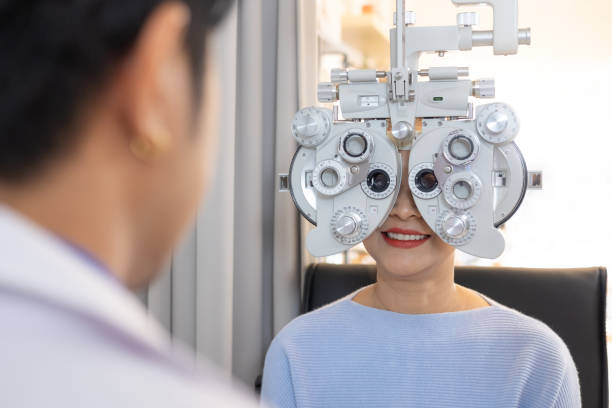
column 349, row 355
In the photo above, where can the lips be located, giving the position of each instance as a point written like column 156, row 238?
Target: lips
column 404, row 238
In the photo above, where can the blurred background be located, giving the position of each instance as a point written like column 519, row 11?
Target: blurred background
column 240, row 269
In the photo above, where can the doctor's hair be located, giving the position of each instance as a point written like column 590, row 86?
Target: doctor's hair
column 55, row 54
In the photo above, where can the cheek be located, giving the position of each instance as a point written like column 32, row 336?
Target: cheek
column 441, row 247
column 372, row 245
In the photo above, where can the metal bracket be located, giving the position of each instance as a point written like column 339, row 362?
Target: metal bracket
column 283, row 183
column 534, row 180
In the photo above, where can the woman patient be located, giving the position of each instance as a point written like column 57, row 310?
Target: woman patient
column 417, row 339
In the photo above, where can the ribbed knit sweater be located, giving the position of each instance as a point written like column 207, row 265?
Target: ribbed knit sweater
column 349, row 355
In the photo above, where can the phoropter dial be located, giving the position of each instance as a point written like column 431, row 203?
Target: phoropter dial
column 423, row 182
column 380, row 182
column 311, row 126
column 497, row 123
column 349, row 225
column 460, row 147
column 456, row 228
column 462, row 190
column 355, row 146
column 329, row 177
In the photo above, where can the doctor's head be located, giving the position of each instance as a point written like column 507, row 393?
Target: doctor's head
column 106, row 112
column 405, row 247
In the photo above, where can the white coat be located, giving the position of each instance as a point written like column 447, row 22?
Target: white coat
column 72, row 337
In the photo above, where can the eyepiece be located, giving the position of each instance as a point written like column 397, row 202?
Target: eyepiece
column 378, row 180
column 426, row 180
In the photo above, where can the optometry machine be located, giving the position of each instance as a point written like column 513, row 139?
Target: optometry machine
column 466, row 174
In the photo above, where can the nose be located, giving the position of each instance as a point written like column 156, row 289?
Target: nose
column 404, row 207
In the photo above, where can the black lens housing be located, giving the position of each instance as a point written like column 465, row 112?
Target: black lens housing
column 378, row 180
column 426, row 180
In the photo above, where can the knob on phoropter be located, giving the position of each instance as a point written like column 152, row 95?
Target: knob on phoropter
column 339, row 76
column 311, row 126
column 327, row 92
column 349, row 225
column 401, row 130
column 497, row 123
column 456, row 228
column 467, row 19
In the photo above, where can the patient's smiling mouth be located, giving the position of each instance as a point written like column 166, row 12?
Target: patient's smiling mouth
column 404, row 238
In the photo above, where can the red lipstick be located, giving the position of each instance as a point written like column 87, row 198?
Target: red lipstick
column 402, row 243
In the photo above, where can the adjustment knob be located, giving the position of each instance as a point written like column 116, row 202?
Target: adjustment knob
column 349, row 225
column 456, row 228
column 311, row 126
column 401, row 130
column 497, row 123
column 467, row 19
column 327, row 92
column 346, row 225
column 483, row 88
column 339, row 76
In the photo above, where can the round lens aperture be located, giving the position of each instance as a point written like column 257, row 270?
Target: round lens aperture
column 355, row 145
column 329, row 177
column 462, row 190
column 381, row 181
column 378, row 180
column 461, row 147
column 426, row 180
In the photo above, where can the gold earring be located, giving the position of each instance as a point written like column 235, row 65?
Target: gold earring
column 142, row 148
column 154, row 142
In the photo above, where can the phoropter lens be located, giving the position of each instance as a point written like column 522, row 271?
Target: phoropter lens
column 378, row 180
column 426, row 180
column 462, row 190
column 461, row 147
column 355, row 145
column 329, row 177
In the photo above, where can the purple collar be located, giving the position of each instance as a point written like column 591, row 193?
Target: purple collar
column 90, row 259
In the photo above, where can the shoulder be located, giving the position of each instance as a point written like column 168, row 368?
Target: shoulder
column 71, row 361
column 324, row 321
column 541, row 358
column 528, row 336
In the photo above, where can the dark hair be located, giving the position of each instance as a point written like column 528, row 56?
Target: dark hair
column 55, row 53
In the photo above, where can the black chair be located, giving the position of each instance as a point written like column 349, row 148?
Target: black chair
column 570, row 301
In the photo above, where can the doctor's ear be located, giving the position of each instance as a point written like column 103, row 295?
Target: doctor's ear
column 154, row 81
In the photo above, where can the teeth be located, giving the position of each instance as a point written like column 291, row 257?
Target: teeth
column 404, row 237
